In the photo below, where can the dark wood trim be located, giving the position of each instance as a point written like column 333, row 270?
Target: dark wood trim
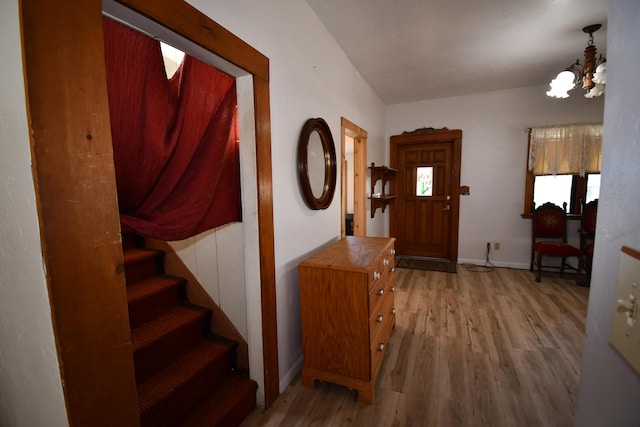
column 429, row 135
column 75, row 184
column 631, row 252
column 188, row 22
column 74, row 177
column 267, row 251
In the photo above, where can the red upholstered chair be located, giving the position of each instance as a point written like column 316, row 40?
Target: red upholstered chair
column 587, row 233
column 549, row 238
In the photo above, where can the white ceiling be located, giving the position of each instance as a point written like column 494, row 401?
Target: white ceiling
column 410, row 50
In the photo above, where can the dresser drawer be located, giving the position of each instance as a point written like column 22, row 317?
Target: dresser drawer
column 380, row 290
column 382, row 265
column 380, row 345
column 382, row 314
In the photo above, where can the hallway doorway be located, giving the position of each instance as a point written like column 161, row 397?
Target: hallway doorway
column 353, row 159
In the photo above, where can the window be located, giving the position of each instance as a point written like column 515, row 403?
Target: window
column 571, row 189
column 593, row 187
column 552, row 188
column 563, row 167
column 424, row 181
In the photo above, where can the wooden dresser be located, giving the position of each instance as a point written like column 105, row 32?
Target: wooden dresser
column 347, row 310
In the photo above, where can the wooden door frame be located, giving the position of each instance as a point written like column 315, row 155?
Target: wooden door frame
column 359, row 135
column 426, row 136
column 74, row 178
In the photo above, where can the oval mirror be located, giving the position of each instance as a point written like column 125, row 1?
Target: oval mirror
column 317, row 164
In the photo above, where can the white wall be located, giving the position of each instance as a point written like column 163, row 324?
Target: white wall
column 30, row 385
column 216, row 259
column 309, row 77
column 494, row 153
column 610, row 388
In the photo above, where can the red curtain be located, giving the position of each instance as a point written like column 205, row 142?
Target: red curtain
column 174, row 140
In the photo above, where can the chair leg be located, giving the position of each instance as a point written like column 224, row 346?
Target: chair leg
column 580, row 265
column 539, row 264
column 531, row 263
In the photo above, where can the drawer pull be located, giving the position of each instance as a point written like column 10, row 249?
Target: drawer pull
column 380, row 292
column 380, row 318
column 393, row 269
column 376, row 275
column 393, row 289
column 385, row 262
column 381, row 347
column 394, row 311
column 393, row 251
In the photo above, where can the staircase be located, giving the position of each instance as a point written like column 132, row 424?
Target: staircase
column 184, row 375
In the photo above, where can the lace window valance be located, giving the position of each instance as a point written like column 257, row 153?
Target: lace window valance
column 565, row 149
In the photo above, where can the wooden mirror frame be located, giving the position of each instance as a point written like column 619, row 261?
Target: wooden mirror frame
column 328, row 146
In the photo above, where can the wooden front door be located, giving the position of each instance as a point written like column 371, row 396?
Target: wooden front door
column 424, row 216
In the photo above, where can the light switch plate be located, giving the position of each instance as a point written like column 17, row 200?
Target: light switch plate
column 625, row 325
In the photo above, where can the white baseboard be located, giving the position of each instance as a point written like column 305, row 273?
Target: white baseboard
column 482, row 262
column 290, row 375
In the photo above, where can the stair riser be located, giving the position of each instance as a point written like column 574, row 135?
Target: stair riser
column 151, row 358
column 180, row 373
column 152, row 306
column 227, row 406
column 131, row 240
column 153, row 266
column 239, row 412
column 178, row 404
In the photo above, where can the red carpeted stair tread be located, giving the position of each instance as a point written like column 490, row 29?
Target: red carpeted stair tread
column 179, row 317
column 189, row 378
column 145, row 288
column 228, row 405
column 138, row 255
column 152, row 297
column 181, row 373
column 161, row 340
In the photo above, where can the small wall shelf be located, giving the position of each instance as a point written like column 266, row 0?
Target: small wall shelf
column 382, row 199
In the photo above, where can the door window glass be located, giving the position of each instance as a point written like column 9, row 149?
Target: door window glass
column 424, row 181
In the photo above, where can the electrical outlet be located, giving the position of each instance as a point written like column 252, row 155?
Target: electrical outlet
column 496, row 246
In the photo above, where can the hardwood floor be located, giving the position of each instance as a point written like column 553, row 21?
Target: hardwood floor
column 469, row 349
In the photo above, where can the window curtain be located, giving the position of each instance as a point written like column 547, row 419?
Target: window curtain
column 566, row 149
column 175, row 141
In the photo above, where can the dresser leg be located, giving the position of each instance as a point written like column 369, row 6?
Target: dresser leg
column 366, row 395
column 308, row 381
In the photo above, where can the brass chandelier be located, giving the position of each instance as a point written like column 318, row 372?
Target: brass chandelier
column 591, row 75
